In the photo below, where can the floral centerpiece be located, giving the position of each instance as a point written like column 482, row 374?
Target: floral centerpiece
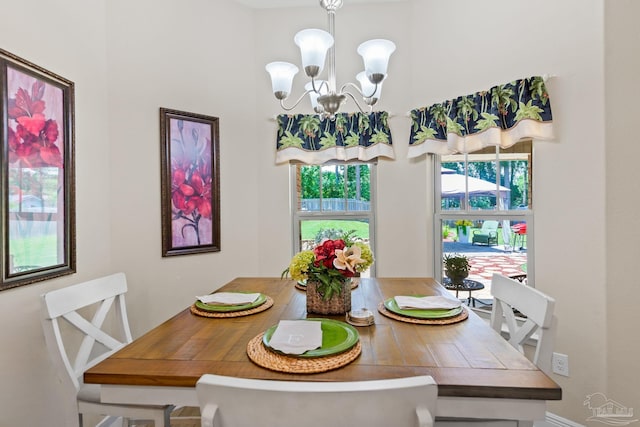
column 327, row 270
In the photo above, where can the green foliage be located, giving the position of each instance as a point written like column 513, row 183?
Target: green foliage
column 456, row 264
column 518, row 181
column 312, row 228
column 445, row 232
column 358, row 182
column 529, row 111
column 328, row 233
column 290, row 140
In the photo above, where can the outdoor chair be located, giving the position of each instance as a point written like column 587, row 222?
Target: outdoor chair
column 77, row 344
column 509, row 294
column 487, row 235
column 230, row 402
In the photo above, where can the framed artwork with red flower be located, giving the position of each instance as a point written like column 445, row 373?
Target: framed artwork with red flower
column 37, row 200
column 190, row 183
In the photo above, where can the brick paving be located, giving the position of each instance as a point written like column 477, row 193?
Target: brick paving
column 488, row 260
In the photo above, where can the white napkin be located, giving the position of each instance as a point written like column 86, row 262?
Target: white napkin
column 297, row 336
column 229, row 298
column 436, row 302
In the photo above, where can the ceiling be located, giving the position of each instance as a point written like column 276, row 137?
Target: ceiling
column 264, row 4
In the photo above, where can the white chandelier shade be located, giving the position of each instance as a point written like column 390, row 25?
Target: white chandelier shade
column 282, row 74
column 313, row 95
column 370, row 91
column 315, row 46
column 375, row 54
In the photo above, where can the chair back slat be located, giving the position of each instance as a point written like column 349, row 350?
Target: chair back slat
column 231, row 401
column 529, row 301
column 107, row 295
column 74, row 297
column 538, row 308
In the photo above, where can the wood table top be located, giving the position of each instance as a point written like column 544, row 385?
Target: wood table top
column 466, row 359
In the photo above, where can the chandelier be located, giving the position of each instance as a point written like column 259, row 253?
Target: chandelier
column 315, row 45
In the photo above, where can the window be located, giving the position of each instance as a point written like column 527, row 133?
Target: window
column 484, row 211
column 332, row 199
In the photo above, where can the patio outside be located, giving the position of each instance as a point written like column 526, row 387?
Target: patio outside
column 486, row 260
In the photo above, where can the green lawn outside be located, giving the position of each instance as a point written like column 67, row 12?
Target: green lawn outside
column 40, row 251
column 310, row 228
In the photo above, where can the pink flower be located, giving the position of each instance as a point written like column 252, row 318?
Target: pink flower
column 32, row 142
column 326, row 252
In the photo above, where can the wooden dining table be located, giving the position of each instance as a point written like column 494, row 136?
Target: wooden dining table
column 479, row 375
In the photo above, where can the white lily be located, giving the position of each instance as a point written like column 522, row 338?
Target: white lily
column 347, row 259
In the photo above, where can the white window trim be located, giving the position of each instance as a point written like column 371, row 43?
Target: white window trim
column 440, row 215
column 370, row 215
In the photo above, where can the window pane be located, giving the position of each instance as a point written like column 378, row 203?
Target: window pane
column 492, row 246
column 332, row 200
column 515, row 176
column 333, row 191
column 478, row 188
column 33, row 218
column 334, row 188
column 473, row 182
column 308, row 188
column 359, row 187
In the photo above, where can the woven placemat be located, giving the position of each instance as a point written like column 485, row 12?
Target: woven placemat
column 262, row 356
column 354, row 284
column 446, row 321
column 262, row 307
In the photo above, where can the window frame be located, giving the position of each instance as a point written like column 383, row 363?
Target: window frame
column 497, row 214
column 297, row 215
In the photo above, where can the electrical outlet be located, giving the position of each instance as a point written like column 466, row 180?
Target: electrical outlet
column 560, row 364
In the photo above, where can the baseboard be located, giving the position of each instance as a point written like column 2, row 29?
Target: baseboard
column 556, row 420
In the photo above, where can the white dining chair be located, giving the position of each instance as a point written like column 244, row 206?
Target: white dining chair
column 76, row 344
column 540, row 322
column 239, row 402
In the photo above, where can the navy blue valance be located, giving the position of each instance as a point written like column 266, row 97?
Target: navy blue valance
column 311, row 139
column 500, row 116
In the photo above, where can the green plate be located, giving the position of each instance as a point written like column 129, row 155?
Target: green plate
column 337, row 337
column 392, row 306
column 229, row 308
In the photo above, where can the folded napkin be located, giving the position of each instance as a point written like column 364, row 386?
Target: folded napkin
column 296, row 336
column 229, row 298
column 436, row 302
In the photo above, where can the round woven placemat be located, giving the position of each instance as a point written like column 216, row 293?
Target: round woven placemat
column 354, row 284
column 262, row 307
column 262, row 356
column 446, row 321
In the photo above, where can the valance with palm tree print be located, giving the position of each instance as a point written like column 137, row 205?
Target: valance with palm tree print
column 313, row 140
column 502, row 116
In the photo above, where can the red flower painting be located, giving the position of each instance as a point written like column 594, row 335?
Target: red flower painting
column 32, row 137
column 190, row 182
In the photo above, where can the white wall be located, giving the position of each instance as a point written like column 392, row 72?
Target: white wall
column 192, row 56
column 66, row 37
column 130, row 58
column 622, row 201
